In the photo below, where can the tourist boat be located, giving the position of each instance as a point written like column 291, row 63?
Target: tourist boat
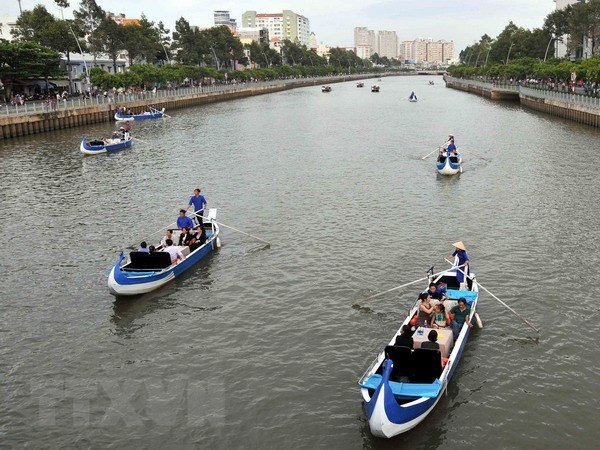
column 360, row 84
column 412, row 99
column 139, row 273
column 448, row 163
column 402, row 386
column 152, row 114
column 326, row 89
column 97, row 146
column 431, row 83
column 375, row 88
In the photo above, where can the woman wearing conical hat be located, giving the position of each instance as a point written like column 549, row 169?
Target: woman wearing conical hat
column 460, row 252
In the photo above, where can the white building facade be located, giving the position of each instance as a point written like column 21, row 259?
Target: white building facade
column 281, row 26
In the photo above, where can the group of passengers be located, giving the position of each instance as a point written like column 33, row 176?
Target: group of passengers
column 190, row 235
column 449, row 148
column 437, row 316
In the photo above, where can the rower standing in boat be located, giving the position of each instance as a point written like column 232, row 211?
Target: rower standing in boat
column 199, row 203
column 460, row 252
column 450, row 146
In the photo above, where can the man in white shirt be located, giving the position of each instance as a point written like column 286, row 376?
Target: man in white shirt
column 168, row 235
column 176, row 255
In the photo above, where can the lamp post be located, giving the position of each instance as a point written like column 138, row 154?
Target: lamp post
column 548, row 47
column 509, row 49
column 487, row 56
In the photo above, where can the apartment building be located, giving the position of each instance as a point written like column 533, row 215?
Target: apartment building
column 281, row 26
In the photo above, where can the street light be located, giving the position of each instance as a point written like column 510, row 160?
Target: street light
column 509, row 49
column 486, row 56
column 548, row 48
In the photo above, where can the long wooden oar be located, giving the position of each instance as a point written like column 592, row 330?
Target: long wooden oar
column 406, row 284
column 141, row 140
column 508, row 307
column 436, row 150
column 157, row 111
column 243, row 232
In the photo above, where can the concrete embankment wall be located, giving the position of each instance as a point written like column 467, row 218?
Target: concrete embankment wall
column 488, row 92
column 22, row 125
column 567, row 107
column 566, row 110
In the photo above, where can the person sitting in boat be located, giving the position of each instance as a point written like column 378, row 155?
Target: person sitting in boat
column 168, row 235
column 152, row 249
column 184, row 221
column 431, row 342
column 404, row 339
column 116, row 134
column 143, row 247
column 197, row 238
column 440, row 316
column 460, row 252
column 425, row 309
column 185, row 236
column 436, row 293
column 461, row 315
column 413, row 96
column 175, row 253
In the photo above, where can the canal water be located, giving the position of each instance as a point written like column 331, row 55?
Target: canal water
column 262, row 347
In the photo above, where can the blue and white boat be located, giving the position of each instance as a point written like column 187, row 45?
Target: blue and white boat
column 97, row 146
column 152, row 114
column 402, row 386
column 448, row 163
column 139, row 273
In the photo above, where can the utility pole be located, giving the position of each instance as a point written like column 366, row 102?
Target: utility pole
column 20, row 9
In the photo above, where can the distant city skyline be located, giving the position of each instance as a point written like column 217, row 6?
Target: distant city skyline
column 333, row 22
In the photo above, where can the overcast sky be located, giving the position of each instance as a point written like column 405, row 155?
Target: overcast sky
column 333, row 21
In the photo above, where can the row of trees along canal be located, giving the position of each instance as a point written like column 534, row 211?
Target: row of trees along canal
column 193, row 54
column 517, row 52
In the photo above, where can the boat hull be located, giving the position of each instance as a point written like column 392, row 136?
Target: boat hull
column 131, row 118
column 449, row 167
column 127, row 283
column 88, row 149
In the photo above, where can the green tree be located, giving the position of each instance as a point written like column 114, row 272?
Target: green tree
column 21, row 59
column 584, row 25
column 88, row 18
column 39, row 26
column 110, row 38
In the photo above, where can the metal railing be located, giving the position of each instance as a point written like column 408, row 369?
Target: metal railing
column 37, row 107
column 537, row 92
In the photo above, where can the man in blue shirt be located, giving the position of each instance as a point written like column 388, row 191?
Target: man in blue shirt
column 436, row 293
column 184, row 221
column 199, row 203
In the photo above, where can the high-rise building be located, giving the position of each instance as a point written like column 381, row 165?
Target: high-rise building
column 281, row 26
column 224, row 18
column 428, row 51
column 365, row 43
column 388, row 44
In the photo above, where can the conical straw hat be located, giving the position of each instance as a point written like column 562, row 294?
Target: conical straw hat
column 459, row 245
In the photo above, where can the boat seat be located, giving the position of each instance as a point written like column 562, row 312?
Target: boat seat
column 402, row 359
column 149, row 261
column 405, row 390
column 427, row 365
column 455, row 294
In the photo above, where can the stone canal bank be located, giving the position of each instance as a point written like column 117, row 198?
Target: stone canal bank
column 579, row 108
